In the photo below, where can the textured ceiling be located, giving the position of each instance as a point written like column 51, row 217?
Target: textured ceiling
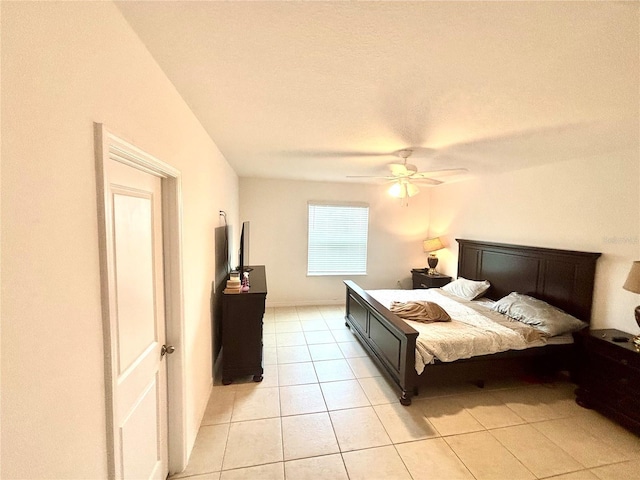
column 308, row 90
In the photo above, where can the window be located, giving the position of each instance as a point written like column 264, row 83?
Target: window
column 337, row 239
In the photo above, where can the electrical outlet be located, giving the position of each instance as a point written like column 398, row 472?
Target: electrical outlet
column 399, row 284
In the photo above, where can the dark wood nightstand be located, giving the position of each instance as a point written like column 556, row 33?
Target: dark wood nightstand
column 608, row 375
column 422, row 280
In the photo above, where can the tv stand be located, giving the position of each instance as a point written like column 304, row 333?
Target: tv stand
column 241, row 334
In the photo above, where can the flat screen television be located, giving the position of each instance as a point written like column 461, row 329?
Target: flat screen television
column 244, row 249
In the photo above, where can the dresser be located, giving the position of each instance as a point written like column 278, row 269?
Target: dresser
column 608, row 375
column 241, row 332
column 422, row 280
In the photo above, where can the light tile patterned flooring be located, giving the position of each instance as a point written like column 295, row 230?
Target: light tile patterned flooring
column 323, row 411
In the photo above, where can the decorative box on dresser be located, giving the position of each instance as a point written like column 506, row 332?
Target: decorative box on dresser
column 608, row 375
column 242, row 315
column 422, row 280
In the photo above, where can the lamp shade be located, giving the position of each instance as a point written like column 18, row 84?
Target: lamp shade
column 633, row 279
column 411, row 189
column 403, row 189
column 432, row 244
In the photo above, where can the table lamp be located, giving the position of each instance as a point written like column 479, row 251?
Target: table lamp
column 633, row 285
column 431, row 245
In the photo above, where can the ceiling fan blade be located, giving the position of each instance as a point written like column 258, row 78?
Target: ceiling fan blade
column 372, row 176
column 400, row 170
column 439, row 173
column 331, row 154
column 412, row 169
column 426, row 181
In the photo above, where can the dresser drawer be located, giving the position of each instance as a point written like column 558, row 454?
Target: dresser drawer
column 630, row 405
column 607, row 374
column 625, row 405
column 624, row 358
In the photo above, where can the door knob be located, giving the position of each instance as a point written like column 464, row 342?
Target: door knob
column 167, row 350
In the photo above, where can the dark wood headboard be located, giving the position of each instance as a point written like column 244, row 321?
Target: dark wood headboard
column 563, row 278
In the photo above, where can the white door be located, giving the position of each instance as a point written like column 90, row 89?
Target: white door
column 137, row 321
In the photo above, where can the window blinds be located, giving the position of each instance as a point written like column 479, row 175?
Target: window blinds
column 337, row 239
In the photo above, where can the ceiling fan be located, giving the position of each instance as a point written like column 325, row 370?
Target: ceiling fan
column 405, row 176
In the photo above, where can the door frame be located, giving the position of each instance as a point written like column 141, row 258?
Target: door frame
column 110, row 147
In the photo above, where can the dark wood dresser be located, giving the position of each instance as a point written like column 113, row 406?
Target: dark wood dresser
column 608, row 375
column 422, row 280
column 241, row 331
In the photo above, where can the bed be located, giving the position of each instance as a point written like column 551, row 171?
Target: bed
column 562, row 278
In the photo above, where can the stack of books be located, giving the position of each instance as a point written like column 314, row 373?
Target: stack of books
column 234, row 285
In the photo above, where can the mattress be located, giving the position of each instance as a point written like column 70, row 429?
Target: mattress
column 475, row 329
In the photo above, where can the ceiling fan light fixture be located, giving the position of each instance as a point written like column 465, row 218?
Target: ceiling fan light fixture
column 403, row 189
column 411, row 189
column 396, row 190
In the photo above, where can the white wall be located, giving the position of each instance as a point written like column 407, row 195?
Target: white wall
column 591, row 205
column 65, row 66
column 277, row 210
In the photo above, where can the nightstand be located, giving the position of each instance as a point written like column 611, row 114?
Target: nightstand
column 608, row 375
column 422, row 280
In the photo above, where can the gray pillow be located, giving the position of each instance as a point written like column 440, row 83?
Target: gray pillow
column 540, row 315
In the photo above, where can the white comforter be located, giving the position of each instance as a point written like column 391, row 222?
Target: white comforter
column 474, row 330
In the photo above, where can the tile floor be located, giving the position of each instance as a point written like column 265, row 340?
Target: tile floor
column 323, row 411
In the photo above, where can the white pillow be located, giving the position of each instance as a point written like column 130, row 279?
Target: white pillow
column 540, row 315
column 467, row 289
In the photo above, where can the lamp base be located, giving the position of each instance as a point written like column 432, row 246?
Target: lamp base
column 432, row 260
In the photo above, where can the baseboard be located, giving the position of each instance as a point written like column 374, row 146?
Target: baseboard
column 304, row 303
column 203, row 409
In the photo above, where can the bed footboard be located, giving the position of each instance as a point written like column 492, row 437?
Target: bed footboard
column 390, row 341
